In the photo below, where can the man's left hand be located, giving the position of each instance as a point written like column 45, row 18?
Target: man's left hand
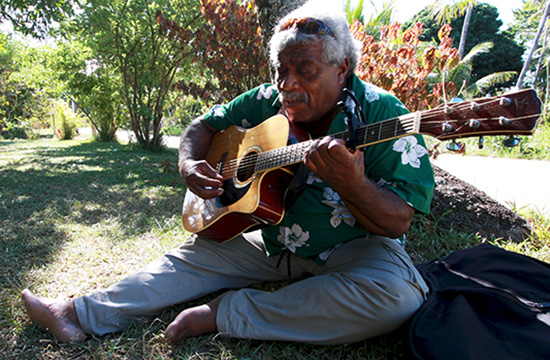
column 334, row 163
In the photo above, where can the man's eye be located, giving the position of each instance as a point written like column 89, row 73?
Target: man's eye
column 281, row 73
column 307, row 70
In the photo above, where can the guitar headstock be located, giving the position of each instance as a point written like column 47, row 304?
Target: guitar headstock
column 511, row 114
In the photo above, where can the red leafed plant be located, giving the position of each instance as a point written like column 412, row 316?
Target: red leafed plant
column 394, row 64
column 229, row 45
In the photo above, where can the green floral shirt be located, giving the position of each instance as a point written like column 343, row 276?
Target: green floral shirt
column 319, row 221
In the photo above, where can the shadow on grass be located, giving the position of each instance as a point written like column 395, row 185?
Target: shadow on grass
column 47, row 184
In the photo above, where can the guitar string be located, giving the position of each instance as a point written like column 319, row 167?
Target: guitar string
column 436, row 113
column 405, row 122
column 406, row 125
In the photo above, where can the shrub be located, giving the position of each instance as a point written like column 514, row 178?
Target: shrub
column 66, row 120
column 14, row 131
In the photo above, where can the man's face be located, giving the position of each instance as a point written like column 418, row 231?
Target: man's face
column 308, row 86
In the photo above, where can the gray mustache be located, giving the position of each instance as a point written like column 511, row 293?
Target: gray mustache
column 293, row 96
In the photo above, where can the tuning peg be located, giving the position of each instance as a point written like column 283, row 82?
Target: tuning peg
column 456, row 147
column 480, row 142
column 474, row 123
column 511, row 141
column 504, row 101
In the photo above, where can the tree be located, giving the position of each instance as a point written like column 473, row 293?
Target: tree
column 26, row 85
column 378, row 18
column 354, row 13
column 232, row 43
column 126, row 35
column 461, row 75
column 524, row 28
column 504, row 56
column 229, row 48
column 271, row 11
column 35, row 17
column 94, row 87
column 446, row 10
column 541, row 26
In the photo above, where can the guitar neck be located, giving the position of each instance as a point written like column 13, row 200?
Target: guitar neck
column 365, row 135
column 511, row 114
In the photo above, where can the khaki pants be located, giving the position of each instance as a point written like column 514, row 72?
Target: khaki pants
column 367, row 287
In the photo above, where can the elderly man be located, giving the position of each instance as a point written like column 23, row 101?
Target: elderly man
column 339, row 235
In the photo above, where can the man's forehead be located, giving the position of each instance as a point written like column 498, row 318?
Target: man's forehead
column 309, row 51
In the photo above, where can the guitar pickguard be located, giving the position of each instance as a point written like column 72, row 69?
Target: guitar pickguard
column 231, row 194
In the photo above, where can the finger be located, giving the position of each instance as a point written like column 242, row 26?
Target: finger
column 208, row 171
column 338, row 150
column 200, row 180
column 206, row 193
column 206, row 188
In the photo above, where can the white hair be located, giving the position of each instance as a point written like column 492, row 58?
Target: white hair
column 335, row 49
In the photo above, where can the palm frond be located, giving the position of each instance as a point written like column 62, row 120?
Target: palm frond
column 354, row 13
column 477, row 50
column 447, row 10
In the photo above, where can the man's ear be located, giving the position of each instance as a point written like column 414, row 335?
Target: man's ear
column 343, row 70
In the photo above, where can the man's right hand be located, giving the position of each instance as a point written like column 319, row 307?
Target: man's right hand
column 201, row 178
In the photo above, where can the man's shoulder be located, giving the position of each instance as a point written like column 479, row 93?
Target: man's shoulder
column 264, row 91
column 375, row 97
column 372, row 92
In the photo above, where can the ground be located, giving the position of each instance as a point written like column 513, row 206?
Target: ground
column 461, row 206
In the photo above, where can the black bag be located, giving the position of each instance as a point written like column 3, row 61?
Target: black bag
column 485, row 303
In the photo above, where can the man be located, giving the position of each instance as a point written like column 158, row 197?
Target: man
column 339, row 235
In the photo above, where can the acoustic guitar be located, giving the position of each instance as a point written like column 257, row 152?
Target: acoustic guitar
column 256, row 164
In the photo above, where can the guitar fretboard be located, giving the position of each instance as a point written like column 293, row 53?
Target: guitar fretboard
column 365, row 135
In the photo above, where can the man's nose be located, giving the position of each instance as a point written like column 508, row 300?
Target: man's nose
column 289, row 81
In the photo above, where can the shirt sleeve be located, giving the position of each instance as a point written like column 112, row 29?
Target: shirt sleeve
column 401, row 165
column 247, row 110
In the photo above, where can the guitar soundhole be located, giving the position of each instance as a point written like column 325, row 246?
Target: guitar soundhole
column 245, row 170
column 237, row 186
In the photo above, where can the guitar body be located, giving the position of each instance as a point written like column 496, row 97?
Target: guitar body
column 241, row 206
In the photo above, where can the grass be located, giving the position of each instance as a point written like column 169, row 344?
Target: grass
column 79, row 215
column 533, row 147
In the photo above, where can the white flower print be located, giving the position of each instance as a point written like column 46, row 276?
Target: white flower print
column 340, row 211
column 265, row 92
column 217, row 111
column 370, row 93
column 246, row 124
column 313, row 178
column 293, row 238
column 411, row 151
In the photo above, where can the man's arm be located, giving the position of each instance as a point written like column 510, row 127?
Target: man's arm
column 199, row 176
column 377, row 209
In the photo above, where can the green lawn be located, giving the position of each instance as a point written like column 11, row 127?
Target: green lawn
column 78, row 215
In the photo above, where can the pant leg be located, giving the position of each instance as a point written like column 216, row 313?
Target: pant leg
column 199, row 267
column 368, row 287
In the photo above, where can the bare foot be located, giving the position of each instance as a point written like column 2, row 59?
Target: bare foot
column 194, row 321
column 56, row 316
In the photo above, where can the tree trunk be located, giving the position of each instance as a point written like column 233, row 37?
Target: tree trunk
column 270, row 12
column 464, row 32
column 534, row 46
column 543, row 51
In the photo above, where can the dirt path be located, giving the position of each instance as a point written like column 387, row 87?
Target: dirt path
column 509, row 181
